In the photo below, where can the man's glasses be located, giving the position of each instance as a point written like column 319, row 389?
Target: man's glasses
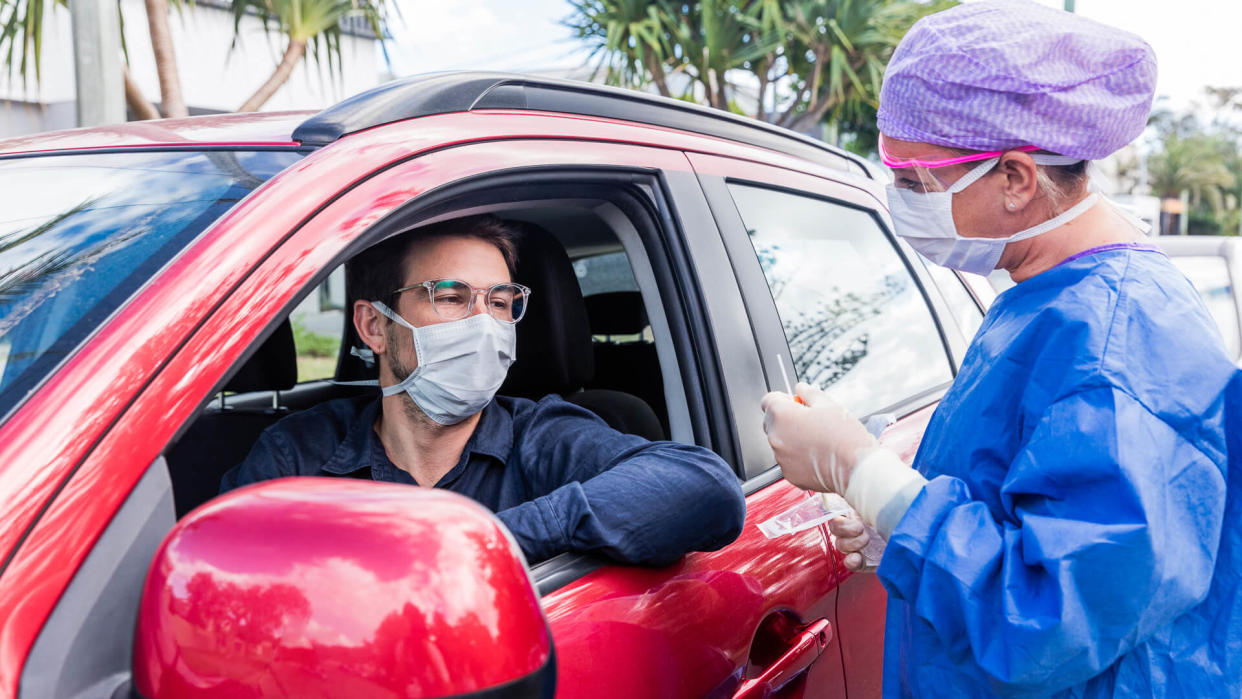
column 454, row 300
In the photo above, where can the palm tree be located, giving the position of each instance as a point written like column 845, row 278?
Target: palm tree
column 810, row 59
column 1190, row 164
column 714, row 40
column 306, row 23
column 841, row 49
column 303, row 22
column 21, row 43
column 165, row 58
column 628, row 39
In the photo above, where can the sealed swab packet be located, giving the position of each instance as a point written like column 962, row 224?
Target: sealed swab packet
column 822, row 507
column 809, row 513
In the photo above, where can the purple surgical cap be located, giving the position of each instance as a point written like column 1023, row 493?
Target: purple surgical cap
column 1001, row 74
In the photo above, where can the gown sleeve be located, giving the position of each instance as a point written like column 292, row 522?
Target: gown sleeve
column 1109, row 530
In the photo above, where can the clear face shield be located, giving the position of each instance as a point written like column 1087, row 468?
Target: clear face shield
column 922, row 175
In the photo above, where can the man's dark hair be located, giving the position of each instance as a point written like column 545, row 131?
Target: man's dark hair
column 380, row 269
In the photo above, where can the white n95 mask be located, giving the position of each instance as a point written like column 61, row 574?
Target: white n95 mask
column 925, row 221
column 461, row 364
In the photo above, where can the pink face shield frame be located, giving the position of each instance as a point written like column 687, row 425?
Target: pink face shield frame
column 895, row 162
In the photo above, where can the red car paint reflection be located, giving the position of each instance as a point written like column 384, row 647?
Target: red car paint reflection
column 260, row 594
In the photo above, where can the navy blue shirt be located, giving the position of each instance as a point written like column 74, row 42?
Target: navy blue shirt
column 555, row 474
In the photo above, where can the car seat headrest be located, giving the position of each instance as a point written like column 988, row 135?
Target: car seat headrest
column 273, row 367
column 616, row 313
column 554, row 339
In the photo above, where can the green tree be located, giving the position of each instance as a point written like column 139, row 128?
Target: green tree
column 1190, row 164
column 1200, row 161
column 794, row 63
column 628, row 40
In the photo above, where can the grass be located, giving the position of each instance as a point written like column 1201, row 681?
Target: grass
column 313, row 368
column 313, row 343
column 316, row 352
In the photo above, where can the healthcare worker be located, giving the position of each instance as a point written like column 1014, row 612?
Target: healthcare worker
column 1071, row 525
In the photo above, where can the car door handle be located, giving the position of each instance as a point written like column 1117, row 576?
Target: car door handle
column 806, row 649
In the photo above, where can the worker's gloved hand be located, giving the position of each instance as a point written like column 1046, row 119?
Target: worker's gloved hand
column 817, row 444
column 822, row 447
column 851, row 537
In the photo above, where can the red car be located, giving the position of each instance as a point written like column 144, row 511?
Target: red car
column 148, row 274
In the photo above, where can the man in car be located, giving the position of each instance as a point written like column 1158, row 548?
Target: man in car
column 437, row 309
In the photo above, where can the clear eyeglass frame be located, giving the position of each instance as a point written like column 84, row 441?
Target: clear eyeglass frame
column 515, row 290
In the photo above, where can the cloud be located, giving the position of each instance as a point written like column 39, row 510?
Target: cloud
column 482, row 35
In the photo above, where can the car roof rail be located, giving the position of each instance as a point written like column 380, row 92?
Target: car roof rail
column 443, row 93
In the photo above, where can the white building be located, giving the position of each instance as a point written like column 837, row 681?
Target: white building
column 215, row 75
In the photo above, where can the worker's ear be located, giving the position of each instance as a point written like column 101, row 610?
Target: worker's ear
column 1021, row 181
column 372, row 326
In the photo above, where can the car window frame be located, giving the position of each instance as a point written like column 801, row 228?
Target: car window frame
column 761, row 308
column 663, row 240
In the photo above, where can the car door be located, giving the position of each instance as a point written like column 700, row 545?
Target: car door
column 753, row 617
column 832, row 297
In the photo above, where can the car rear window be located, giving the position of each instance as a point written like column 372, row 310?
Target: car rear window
column 79, row 234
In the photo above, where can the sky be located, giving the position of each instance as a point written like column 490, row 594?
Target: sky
column 506, row 35
column 1197, row 42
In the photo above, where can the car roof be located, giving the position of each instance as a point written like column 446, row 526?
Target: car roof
column 461, row 91
column 269, row 128
column 440, row 93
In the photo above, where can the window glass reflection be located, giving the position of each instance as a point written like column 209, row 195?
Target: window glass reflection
column 854, row 318
column 80, row 233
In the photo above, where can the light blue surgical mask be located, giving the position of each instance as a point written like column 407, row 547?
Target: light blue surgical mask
column 461, row 364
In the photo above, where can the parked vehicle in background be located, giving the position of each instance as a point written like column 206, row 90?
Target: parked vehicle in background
column 679, row 258
column 1214, row 265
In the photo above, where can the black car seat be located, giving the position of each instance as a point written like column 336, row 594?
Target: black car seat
column 222, row 436
column 624, row 360
column 554, row 352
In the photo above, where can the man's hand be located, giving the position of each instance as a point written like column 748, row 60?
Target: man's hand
column 851, row 538
column 817, row 444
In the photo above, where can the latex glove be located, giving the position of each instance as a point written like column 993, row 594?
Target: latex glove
column 821, row 447
column 817, row 444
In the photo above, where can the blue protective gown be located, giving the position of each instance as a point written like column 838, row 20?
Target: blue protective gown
column 1080, row 533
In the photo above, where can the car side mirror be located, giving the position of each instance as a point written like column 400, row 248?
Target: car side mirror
column 317, row 587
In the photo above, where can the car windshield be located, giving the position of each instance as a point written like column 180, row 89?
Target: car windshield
column 79, row 234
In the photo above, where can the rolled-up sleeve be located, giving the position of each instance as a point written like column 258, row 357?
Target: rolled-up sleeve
column 1110, row 530
column 600, row 491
